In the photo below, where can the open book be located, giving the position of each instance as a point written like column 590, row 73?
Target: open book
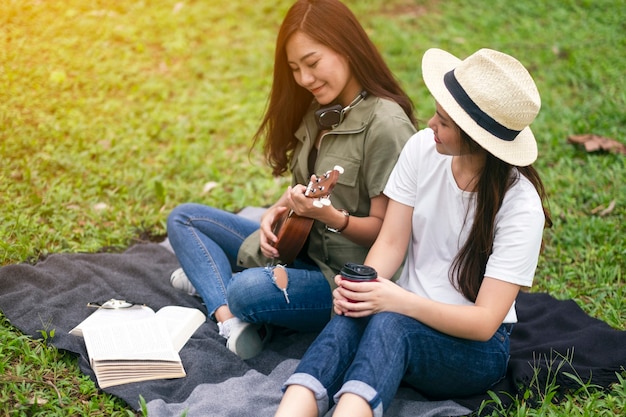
column 136, row 344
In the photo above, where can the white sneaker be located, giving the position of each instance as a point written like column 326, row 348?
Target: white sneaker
column 246, row 340
column 180, row 281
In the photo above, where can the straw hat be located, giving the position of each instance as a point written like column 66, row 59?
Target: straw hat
column 491, row 96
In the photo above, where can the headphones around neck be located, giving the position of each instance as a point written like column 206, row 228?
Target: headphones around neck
column 331, row 116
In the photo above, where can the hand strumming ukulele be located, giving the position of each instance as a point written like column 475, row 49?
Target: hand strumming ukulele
column 291, row 229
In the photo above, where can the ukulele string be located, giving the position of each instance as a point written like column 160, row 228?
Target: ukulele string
column 311, row 188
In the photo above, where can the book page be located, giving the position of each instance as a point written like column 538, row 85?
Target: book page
column 181, row 323
column 145, row 339
column 116, row 373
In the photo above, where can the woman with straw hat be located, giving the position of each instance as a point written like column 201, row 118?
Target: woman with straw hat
column 476, row 209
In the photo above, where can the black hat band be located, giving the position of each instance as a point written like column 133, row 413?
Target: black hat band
column 480, row 117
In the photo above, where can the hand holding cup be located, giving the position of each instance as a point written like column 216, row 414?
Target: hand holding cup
column 358, row 273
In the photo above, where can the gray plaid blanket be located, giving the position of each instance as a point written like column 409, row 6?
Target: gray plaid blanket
column 53, row 293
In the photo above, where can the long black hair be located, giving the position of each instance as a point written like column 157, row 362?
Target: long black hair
column 330, row 23
column 497, row 177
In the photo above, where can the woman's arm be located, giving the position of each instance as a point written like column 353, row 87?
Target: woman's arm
column 474, row 322
column 269, row 218
column 389, row 250
column 385, row 255
column 361, row 230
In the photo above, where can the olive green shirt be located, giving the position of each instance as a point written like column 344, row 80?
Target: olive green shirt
column 366, row 145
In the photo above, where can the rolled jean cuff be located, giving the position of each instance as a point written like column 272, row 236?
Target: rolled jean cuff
column 364, row 391
column 311, row 383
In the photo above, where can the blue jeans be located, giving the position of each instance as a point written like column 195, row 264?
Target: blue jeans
column 206, row 241
column 370, row 356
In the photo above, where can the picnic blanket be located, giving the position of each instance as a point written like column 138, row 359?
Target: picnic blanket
column 53, row 293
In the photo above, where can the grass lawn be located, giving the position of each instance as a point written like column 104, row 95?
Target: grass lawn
column 113, row 112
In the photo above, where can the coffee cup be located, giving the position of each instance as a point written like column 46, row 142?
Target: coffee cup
column 358, row 273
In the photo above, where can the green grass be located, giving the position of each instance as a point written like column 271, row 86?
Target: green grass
column 112, row 113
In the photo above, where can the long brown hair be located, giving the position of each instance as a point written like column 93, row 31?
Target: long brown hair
column 468, row 268
column 330, row 23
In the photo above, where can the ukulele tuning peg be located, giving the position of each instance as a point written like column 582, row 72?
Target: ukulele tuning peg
column 325, row 201
column 318, row 204
column 339, row 169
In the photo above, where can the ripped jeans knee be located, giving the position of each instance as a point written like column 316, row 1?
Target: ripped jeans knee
column 280, row 277
column 296, row 298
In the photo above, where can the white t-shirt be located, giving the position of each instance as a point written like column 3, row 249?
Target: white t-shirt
column 442, row 218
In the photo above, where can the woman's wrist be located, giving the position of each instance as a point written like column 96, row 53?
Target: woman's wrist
column 342, row 226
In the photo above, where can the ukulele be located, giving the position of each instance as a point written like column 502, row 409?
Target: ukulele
column 291, row 229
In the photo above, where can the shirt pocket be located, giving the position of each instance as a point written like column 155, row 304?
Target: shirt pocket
column 351, row 168
column 346, row 193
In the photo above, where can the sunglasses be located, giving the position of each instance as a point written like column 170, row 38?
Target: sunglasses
column 113, row 304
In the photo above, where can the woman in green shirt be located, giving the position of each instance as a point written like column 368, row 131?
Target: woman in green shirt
column 323, row 59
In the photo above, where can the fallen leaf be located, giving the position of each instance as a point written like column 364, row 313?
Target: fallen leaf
column 594, row 143
column 609, row 209
column 37, row 401
column 209, row 186
column 603, row 211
